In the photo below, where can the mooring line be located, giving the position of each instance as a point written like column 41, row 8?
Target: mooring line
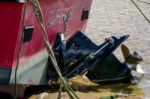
column 39, row 16
column 144, row 2
column 140, row 11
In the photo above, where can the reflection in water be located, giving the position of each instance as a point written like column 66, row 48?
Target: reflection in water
column 145, row 83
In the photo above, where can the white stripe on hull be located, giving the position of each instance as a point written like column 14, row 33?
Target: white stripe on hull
column 32, row 70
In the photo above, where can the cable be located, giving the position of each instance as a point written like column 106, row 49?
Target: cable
column 59, row 93
column 143, row 1
column 38, row 12
column 140, row 11
column 19, row 52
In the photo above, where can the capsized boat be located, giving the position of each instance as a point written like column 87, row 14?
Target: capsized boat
column 21, row 39
column 23, row 49
column 19, row 22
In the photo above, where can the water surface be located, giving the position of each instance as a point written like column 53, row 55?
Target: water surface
column 119, row 17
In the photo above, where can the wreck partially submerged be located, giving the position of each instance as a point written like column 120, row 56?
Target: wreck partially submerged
column 19, row 21
column 23, row 49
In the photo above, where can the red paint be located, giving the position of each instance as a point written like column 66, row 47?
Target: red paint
column 12, row 23
column 10, row 18
column 53, row 10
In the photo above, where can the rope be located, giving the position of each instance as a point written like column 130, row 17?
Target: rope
column 19, row 53
column 140, row 11
column 143, row 1
column 59, row 93
column 38, row 12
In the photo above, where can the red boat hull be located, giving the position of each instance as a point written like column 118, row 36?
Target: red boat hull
column 33, row 58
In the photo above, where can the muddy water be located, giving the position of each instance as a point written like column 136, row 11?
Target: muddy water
column 119, row 17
